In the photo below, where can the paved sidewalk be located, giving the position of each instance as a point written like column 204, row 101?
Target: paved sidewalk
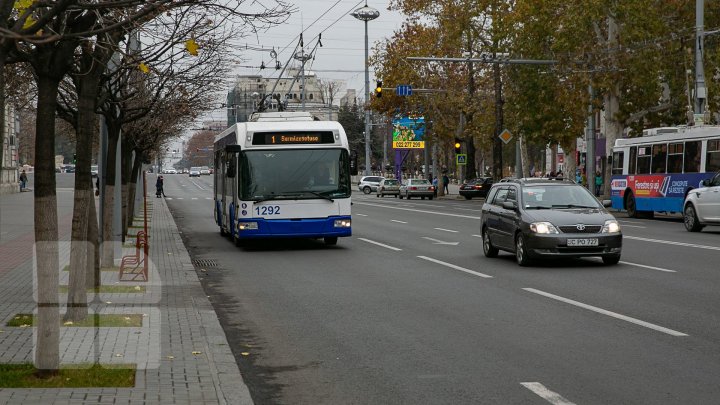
column 181, row 352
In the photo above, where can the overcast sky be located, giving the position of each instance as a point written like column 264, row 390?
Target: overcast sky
column 343, row 52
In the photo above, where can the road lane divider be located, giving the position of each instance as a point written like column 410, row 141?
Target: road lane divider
column 446, row 230
column 633, row 226
column 416, row 210
column 544, row 393
column 440, row 242
column 648, row 267
column 452, row 266
column 399, row 222
column 361, row 215
column 380, row 244
column 671, row 242
column 615, row 315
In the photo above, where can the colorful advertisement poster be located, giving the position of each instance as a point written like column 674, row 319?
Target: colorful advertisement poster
column 408, row 132
column 656, row 185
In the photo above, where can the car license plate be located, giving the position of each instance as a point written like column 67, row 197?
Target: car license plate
column 582, row 242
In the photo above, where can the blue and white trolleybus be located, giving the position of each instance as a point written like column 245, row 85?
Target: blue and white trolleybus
column 283, row 175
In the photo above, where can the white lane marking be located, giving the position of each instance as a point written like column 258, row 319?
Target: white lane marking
column 632, row 226
column 168, row 198
column 477, row 236
column 670, row 242
column 544, row 393
column 361, row 215
column 420, row 211
column 606, row 312
column 446, row 230
column 380, row 244
column 184, row 185
column 399, row 222
column 197, row 185
column 622, row 221
column 649, row 267
column 194, row 198
column 179, row 198
column 467, row 209
column 208, row 198
column 452, row 266
column 441, row 242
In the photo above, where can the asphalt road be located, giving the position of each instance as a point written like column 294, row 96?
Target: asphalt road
column 409, row 311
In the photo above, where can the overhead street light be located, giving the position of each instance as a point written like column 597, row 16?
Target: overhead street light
column 366, row 14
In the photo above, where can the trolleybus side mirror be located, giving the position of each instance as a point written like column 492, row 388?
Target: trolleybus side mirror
column 706, row 183
column 607, row 203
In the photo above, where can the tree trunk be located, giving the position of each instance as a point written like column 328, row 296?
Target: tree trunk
column 525, row 161
column 126, row 168
column 47, row 348
column 611, row 104
column 108, row 248
column 132, row 188
column 93, row 278
column 82, row 247
column 499, row 125
column 570, row 164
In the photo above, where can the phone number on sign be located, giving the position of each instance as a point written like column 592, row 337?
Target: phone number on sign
column 408, row 144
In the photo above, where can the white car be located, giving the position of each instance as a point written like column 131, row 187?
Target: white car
column 194, row 172
column 368, row 184
column 205, row 170
column 702, row 205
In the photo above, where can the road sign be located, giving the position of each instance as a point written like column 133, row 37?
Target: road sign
column 403, row 90
column 461, row 159
column 505, row 136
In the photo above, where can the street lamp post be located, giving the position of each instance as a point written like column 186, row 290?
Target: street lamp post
column 366, row 14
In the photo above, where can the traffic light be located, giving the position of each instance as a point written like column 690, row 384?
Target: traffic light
column 378, row 89
column 458, row 145
column 74, row 158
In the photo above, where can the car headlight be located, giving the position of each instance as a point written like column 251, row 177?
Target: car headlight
column 611, row 226
column 342, row 223
column 543, row 227
column 243, row 226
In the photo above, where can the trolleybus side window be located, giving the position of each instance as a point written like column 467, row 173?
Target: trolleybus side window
column 643, row 160
column 712, row 161
column 659, row 158
column 617, row 163
column 217, row 175
column 675, row 158
column 692, row 157
column 632, row 163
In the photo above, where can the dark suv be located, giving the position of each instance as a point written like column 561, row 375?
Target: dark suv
column 548, row 218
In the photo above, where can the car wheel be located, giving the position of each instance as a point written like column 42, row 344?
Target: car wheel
column 332, row 241
column 367, row 190
column 222, row 232
column 691, row 220
column 431, row 197
column 422, row 197
column 238, row 242
column 488, row 249
column 610, row 260
column 521, row 254
column 407, row 196
column 400, row 197
column 468, row 197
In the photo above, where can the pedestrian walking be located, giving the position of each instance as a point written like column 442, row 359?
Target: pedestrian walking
column 435, row 186
column 159, row 191
column 23, row 181
column 598, row 183
column 446, row 182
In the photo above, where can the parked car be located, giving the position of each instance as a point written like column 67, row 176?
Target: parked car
column 69, row 169
column 204, row 170
column 536, row 218
column 368, row 184
column 388, row 187
column 417, row 188
column 194, row 172
column 702, row 205
column 476, row 188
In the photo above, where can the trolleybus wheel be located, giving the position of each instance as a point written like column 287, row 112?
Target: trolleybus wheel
column 331, row 241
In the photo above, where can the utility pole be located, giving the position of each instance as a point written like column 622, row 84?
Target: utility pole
column 700, row 88
column 590, row 154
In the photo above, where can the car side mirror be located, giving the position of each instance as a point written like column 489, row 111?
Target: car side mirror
column 706, row 183
column 509, row 205
column 607, row 203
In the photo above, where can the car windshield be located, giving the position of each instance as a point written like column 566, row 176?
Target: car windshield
column 417, row 182
column 557, row 197
column 295, row 174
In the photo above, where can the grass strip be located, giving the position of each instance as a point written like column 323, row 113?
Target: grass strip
column 25, row 376
column 111, row 289
column 100, row 320
column 116, row 269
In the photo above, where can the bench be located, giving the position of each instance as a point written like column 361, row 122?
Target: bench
column 134, row 267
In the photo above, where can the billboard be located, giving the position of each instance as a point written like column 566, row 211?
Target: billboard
column 408, row 132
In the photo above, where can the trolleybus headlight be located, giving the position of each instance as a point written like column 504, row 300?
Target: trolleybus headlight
column 611, row 226
column 247, row 226
column 342, row 223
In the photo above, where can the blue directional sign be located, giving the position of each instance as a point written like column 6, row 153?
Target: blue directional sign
column 403, row 90
column 461, row 159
